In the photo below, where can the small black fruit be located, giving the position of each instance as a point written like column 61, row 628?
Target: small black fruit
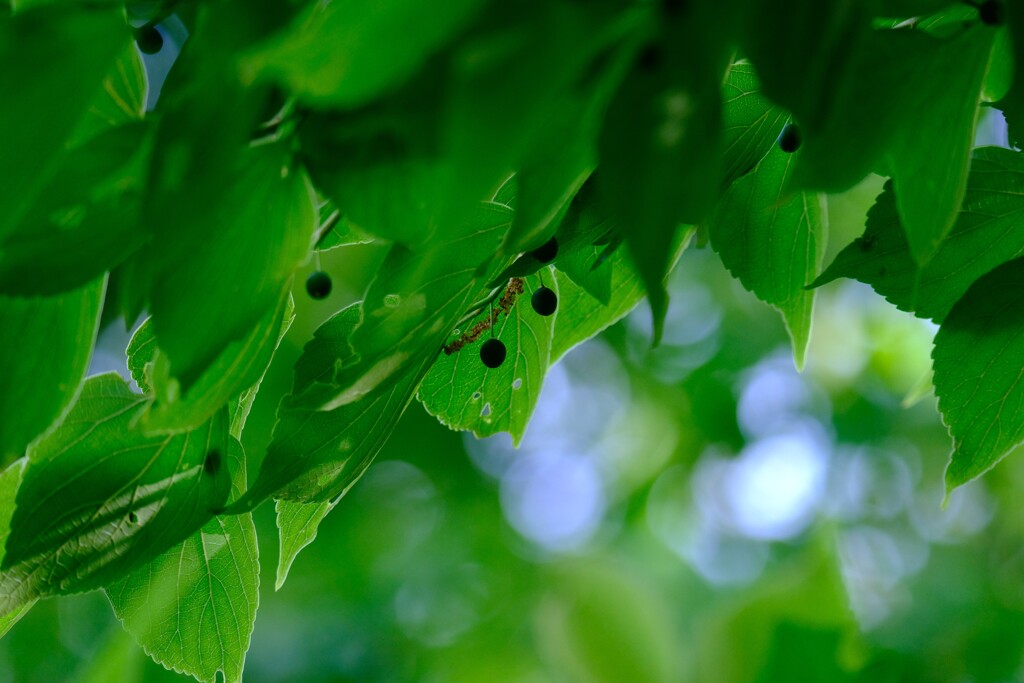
column 150, row 40
column 318, row 285
column 991, row 12
column 492, row 353
column 789, row 138
column 547, row 252
column 544, row 301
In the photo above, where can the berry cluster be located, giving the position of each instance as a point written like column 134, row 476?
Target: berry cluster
column 544, row 302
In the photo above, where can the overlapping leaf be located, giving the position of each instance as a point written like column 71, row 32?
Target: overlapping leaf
column 54, row 88
column 241, row 363
column 978, row 360
column 772, row 242
column 207, row 585
column 47, row 343
column 988, row 232
column 99, row 499
column 250, row 249
column 466, row 395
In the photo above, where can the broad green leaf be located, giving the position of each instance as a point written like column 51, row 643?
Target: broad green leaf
column 10, row 480
column 121, row 98
column 328, row 350
column 332, row 56
column 528, row 92
column 750, row 123
column 297, row 525
column 581, row 316
column 253, row 237
column 988, row 232
column 54, row 88
column 1012, row 104
column 86, row 220
column 977, row 360
column 99, row 499
column 241, row 364
column 866, row 97
column 380, row 166
column 464, row 394
column 930, row 156
column 47, row 343
column 772, row 241
column 207, row 586
column 660, row 147
column 415, row 301
column 563, row 153
column 317, row 455
column 328, row 434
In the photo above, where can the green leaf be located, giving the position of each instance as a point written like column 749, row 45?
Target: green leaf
column 241, row 364
column 582, row 316
column 317, row 455
column 99, row 499
column 772, row 241
column 660, row 147
column 750, row 123
column 977, row 359
column 10, row 480
column 930, row 155
column 86, row 220
column 47, row 343
column 297, row 525
column 464, row 394
column 121, row 98
column 54, row 88
column 987, row 233
column 253, row 237
column 331, row 56
column 207, row 586
column 416, row 300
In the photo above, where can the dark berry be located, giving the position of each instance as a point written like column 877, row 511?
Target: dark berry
column 150, row 40
column 492, row 353
column 212, row 463
column 789, row 138
column 318, row 285
column 544, row 301
column 547, row 252
column 991, row 12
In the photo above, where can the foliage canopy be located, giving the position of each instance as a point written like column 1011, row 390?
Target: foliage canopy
column 463, row 136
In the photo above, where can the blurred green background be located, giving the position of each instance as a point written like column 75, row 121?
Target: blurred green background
column 696, row 512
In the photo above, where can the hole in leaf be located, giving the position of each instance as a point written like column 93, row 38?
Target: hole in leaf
column 476, row 395
column 517, row 383
column 133, row 518
column 486, row 411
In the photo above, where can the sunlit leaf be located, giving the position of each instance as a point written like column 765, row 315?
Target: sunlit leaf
column 36, row 388
column 986, row 234
column 978, row 356
column 297, row 525
column 250, row 249
column 99, row 499
column 207, row 585
column 772, row 241
column 750, row 123
column 466, row 395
